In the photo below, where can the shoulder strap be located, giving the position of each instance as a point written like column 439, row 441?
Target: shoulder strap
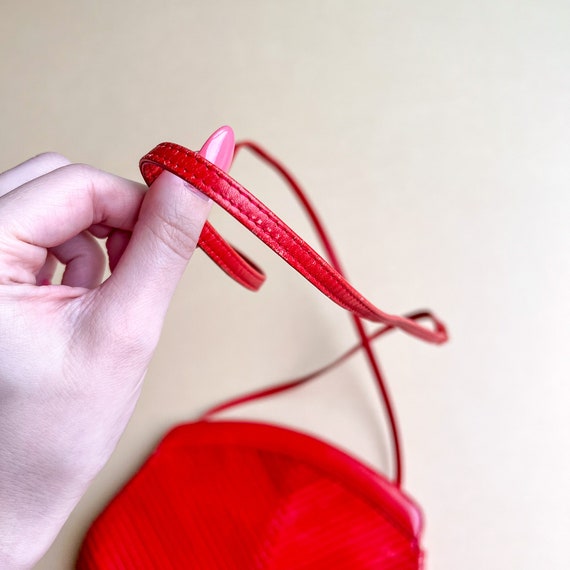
column 235, row 264
column 328, row 278
column 263, row 223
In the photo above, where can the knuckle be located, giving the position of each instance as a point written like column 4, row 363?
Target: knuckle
column 80, row 170
column 83, row 176
column 53, row 159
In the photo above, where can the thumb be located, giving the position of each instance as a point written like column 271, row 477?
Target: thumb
column 164, row 238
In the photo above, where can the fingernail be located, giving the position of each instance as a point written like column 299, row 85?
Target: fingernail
column 219, row 148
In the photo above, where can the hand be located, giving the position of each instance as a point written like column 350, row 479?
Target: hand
column 73, row 356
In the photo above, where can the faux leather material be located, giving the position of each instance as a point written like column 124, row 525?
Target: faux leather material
column 230, row 260
column 264, row 224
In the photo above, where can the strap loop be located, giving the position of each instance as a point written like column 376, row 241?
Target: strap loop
column 328, row 278
column 264, row 224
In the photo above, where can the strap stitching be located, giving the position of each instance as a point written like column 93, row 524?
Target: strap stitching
column 243, row 271
column 335, row 290
column 235, row 207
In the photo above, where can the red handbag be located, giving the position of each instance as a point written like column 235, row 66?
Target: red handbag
column 230, row 495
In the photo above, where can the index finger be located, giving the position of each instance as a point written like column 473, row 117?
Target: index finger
column 55, row 207
column 30, row 169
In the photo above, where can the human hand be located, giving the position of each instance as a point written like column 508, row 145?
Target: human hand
column 73, row 356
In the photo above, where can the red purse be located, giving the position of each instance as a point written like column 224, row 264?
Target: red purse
column 245, row 495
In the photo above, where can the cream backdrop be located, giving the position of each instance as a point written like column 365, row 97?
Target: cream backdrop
column 434, row 139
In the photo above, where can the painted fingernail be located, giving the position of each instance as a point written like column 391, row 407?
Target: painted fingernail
column 219, row 148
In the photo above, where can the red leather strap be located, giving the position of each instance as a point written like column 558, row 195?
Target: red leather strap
column 365, row 340
column 263, row 223
column 229, row 259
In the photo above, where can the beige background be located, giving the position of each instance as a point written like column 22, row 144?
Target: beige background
column 434, row 138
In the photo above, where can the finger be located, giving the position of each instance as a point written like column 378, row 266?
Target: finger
column 45, row 274
column 84, row 261
column 53, row 208
column 29, row 170
column 116, row 245
column 169, row 225
column 100, row 230
column 49, row 210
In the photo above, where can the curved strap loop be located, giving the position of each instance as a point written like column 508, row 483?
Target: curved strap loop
column 264, row 224
column 240, row 269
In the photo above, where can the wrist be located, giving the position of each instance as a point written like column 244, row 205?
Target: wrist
column 38, row 490
column 27, row 529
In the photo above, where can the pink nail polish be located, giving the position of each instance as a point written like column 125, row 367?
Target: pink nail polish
column 219, row 148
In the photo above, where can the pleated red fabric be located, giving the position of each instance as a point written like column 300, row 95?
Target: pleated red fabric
column 237, row 495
